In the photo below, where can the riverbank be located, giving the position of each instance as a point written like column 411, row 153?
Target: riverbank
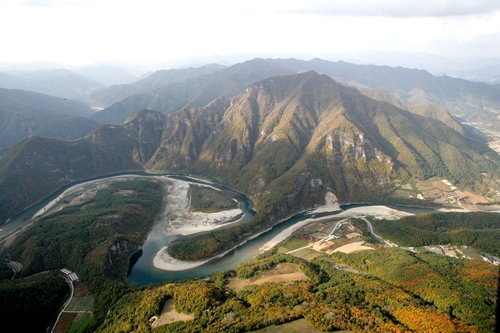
column 177, row 218
column 378, row 212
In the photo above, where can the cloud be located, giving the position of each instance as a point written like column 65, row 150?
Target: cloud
column 397, row 8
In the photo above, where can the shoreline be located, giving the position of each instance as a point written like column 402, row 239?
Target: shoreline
column 338, row 213
column 378, row 211
column 162, row 260
column 176, row 218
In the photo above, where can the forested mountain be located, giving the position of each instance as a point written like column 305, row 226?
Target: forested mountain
column 421, row 106
column 37, row 166
column 24, row 114
column 56, row 82
column 158, row 79
column 471, row 100
column 285, row 141
column 195, row 92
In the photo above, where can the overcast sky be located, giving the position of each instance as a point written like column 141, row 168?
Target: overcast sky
column 83, row 32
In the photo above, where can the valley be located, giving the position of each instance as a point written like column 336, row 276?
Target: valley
column 235, row 166
column 279, row 192
column 323, row 231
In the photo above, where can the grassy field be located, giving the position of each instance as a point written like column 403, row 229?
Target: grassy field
column 84, row 303
column 80, row 323
column 208, row 200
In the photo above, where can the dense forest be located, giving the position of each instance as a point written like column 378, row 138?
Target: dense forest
column 31, row 304
column 95, row 242
column 480, row 230
column 373, row 294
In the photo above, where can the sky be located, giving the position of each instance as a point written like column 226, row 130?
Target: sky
column 77, row 32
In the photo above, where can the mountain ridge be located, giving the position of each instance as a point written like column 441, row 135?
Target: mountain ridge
column 276, row 141
column 116, row 93
column 24, row 114
column 60, row 83
column 470, row 100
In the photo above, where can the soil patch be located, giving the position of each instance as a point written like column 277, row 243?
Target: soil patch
column 170, row 315
column 284, row 272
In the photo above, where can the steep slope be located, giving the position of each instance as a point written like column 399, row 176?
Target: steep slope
column 16, row 127
column 420, row 105
column 286, row 141
column 21, row 101
column 473, row 101
column 158, row 79
column 24, row 114
column 195, row 92
column 57, row 82
column 293, row 138
column 38, row 166
column 470, row 100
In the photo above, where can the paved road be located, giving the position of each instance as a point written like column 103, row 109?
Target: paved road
column 329, row 237
column 70, row 283
column 370, row 226
column 15, row 266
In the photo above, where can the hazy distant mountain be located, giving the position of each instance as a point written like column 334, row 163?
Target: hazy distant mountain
column 57, row 82
column 285, row 141
column 437, row 65
column 197, row 91
column 470, row 100
column 106, row 75
column 488, row 74
column 25, row 114
column 158, row 79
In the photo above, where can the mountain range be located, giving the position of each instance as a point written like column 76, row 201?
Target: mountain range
column 195, row 92
column 158, row 79
column 24, row 114
column 472, row 101
column 61, row 83
column 286, row 141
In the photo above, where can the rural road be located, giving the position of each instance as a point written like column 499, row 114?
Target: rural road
column 329, row 237
column 370, row 227
column 65, row 304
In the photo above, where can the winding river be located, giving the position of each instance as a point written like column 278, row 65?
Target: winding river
column 142, row 270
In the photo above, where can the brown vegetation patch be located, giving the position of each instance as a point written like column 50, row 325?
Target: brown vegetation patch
column 284, row 272
column 482, row 273
column 170, row 315
column 80, row 289
column 473, row 198
column 353, row 247
column 64, row 322
column 296, row 326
